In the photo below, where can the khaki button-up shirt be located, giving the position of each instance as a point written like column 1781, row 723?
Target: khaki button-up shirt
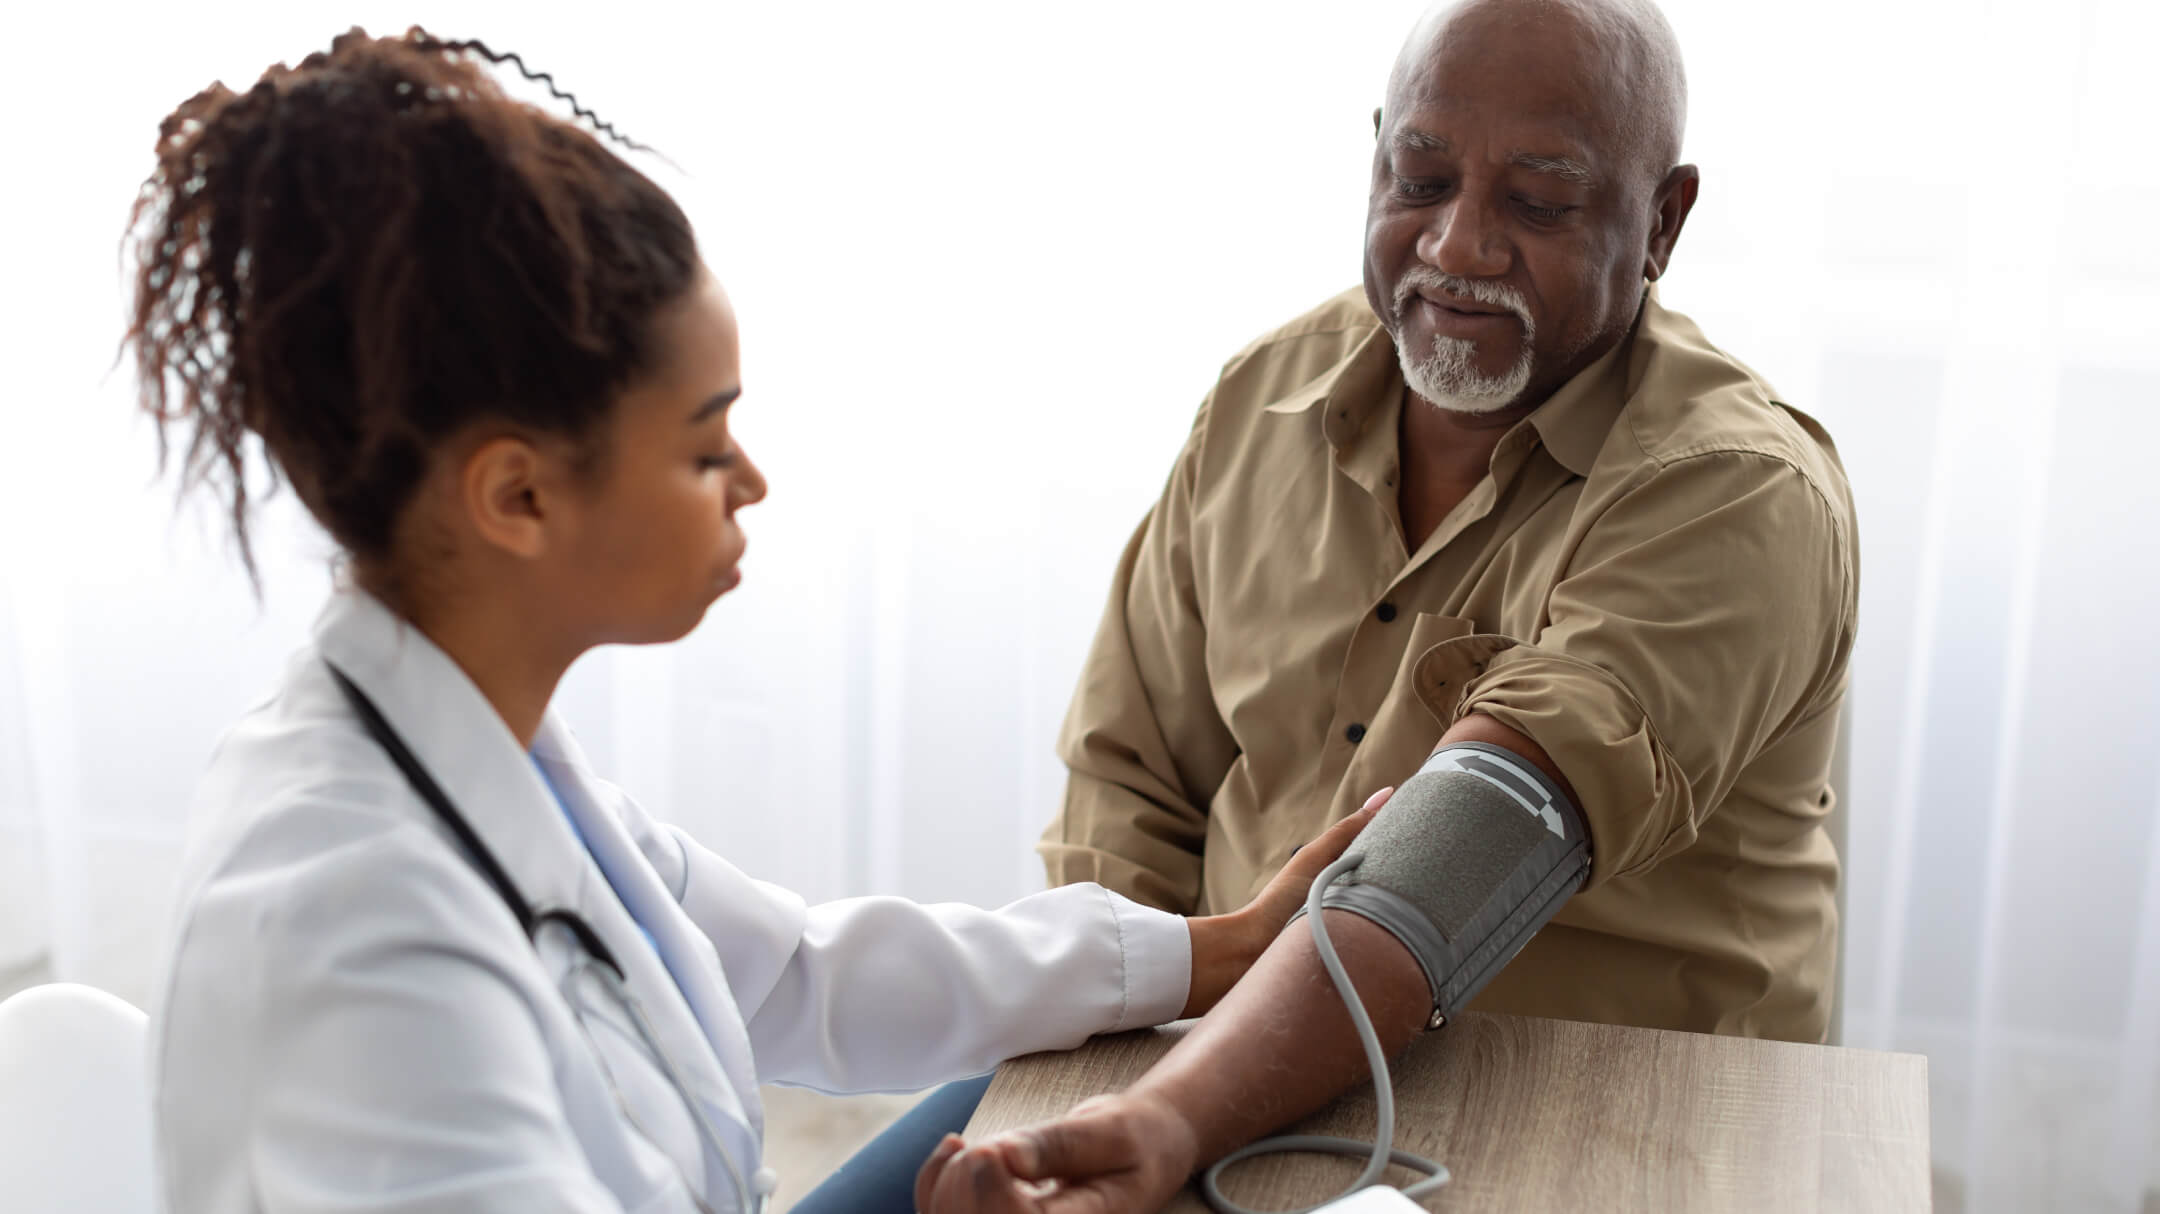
column 1655, row 582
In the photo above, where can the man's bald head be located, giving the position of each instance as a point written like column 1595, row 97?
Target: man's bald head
column 1620, row 55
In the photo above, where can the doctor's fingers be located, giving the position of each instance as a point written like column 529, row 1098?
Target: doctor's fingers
column 1307, row 859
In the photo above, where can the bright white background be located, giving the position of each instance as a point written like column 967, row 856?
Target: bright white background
column 987, row 259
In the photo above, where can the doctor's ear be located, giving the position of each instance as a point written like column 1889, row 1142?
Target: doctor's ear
column 505, row 493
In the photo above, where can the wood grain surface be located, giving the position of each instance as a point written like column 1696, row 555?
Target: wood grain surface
column 1541, row 1115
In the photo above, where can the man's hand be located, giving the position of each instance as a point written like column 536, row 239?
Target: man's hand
column 1131, row 1151
column 1225, row 946
column 1110, row 1153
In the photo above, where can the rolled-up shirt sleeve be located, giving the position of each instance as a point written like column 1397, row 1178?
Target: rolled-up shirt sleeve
column 1706, row 606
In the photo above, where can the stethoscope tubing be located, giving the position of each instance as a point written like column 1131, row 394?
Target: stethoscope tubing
column 601, row 960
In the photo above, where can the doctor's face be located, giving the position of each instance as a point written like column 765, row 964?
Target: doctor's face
column 656, row 541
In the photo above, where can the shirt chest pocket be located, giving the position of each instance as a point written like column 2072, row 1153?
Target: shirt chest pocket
column 1386, row 728
column 1379, row 686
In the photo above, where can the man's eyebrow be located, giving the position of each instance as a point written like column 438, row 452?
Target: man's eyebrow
column 1563, row 167
column 714, row 405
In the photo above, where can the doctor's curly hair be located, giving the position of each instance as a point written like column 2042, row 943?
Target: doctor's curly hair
column 364, row 253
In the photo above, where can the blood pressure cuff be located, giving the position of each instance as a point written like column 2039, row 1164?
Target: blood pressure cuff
column 1470, row 857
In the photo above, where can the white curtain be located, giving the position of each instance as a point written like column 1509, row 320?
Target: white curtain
column 987, row 259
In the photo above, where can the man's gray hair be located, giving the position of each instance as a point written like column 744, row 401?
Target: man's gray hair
column 1646, row 59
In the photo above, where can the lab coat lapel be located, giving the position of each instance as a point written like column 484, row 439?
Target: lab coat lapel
column 462, row 743
column 687, row 960
column 465, row 746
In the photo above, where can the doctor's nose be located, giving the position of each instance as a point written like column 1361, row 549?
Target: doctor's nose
column 747, row 486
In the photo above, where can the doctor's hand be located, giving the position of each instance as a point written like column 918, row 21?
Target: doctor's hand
column 1225, row 946
column 1109, row 1154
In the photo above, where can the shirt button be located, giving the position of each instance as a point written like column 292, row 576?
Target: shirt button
column 1386, row 613
column 1356, row 733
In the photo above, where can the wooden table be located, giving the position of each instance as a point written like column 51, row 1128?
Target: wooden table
column 1554, row 1115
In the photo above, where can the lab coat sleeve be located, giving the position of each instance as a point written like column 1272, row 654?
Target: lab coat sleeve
column 398, row 1067
column 887, row 994
column 884, row 994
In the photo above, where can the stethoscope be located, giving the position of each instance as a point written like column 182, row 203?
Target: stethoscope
column 598, row 963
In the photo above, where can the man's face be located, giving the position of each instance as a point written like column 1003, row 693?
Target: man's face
column 1505, row 233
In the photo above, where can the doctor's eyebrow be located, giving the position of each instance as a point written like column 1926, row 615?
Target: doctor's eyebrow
column 714, row 404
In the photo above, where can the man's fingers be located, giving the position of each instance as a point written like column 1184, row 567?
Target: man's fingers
column 975, row 1181
column 926, row 1177
column 1092, row 1198
column 1070, row 1149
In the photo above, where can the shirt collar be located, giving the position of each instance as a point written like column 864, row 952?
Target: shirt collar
column 1572, row 423
column 1351, row 390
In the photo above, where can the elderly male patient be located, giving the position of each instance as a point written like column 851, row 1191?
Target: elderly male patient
column 1503, row 501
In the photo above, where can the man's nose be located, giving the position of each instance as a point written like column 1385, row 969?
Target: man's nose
column 1463, row 238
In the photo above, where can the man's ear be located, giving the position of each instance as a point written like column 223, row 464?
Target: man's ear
column 1376, row 122
column 1675, row 198
column 503, row 493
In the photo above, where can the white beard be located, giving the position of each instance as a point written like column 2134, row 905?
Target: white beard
column 1447, row 376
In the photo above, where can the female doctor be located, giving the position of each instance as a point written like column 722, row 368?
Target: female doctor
column 426, row 958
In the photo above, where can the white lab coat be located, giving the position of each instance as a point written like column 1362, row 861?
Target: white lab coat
column 352, row 1020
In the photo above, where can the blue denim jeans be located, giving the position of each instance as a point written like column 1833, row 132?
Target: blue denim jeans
column 880, row 1178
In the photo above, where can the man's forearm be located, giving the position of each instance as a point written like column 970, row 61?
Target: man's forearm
column 1281, row 1044
column 1485, row 846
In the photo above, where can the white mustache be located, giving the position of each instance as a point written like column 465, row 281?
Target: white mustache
column 1496, row 294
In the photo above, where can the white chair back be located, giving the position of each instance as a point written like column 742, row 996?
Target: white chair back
column 74, row 1103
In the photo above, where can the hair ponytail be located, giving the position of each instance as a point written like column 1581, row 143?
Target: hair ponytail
column 367, row 252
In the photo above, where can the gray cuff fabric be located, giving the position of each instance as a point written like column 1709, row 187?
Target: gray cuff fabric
column 1470, row 858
